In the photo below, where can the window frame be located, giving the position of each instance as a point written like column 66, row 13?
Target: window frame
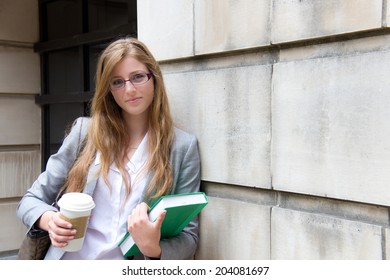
column 83, row 42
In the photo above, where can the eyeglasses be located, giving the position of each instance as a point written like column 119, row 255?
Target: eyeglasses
column 136, row 80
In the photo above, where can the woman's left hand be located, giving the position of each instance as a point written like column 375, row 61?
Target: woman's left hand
column 146, row 234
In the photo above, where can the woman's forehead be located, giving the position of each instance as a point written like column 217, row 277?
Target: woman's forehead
column 127, row 65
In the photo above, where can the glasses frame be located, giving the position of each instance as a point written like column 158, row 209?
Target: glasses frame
column 148, row 74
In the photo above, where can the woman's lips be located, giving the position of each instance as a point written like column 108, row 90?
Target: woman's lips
column 132, row 100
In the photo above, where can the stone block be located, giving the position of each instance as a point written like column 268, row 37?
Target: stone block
column 19, row 71
column 229, row 111
column 356, row 46
column 232, row 229
column 241, row 193
column 295, row 20
column 387, row 243
column 20, row 17
column 12, row 234
column 20, row 121
column 329, row 127
column 363, row 212
column 230, row 25
column 18, row 170
column 166, row 27
column 298, row 235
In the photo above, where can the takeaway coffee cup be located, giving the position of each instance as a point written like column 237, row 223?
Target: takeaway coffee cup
column 76, row 209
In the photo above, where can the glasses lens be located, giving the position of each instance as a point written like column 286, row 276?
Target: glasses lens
column 117, row 83
column 139, row 78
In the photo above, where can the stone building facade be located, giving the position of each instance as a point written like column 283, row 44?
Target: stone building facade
column 289, row 100
column 20, row 117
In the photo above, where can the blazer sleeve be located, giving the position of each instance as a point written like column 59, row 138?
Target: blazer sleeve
column 43, row 192
column 186, row 166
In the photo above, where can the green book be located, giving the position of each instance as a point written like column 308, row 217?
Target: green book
column 181, row 210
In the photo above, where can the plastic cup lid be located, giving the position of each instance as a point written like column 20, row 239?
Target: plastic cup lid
column 76, row 201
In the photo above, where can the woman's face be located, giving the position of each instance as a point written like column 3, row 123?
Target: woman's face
column 134, row 100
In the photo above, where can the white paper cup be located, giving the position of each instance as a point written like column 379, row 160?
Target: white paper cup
column 76, row 208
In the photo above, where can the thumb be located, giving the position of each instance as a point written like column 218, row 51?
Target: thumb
column 160, row 219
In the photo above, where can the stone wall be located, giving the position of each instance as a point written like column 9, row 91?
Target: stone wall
column 20, row 122
column 290, row 102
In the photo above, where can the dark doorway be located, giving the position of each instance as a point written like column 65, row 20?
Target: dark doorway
column 72, row 35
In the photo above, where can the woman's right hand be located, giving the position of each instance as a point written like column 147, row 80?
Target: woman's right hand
column 60, row 231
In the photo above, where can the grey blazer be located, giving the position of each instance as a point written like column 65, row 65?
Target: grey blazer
column 186, row 178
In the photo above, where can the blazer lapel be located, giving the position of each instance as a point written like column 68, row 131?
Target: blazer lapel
column 92, row 178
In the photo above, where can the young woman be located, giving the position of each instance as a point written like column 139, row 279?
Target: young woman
column 131, row 154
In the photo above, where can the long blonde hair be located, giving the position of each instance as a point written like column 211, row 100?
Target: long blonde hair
column 108, row 135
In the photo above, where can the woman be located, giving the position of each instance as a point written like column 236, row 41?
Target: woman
column 131, row 155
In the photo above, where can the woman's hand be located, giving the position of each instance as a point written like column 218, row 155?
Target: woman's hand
column 146, row 234
column 60, row 231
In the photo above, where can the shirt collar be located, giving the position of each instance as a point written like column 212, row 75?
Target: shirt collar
column 138, row 159
column 140, row 156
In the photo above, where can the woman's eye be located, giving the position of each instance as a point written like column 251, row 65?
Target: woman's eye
column 138, row 77
column 117, row 82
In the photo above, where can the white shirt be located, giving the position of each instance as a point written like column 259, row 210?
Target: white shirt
column 108, row 223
